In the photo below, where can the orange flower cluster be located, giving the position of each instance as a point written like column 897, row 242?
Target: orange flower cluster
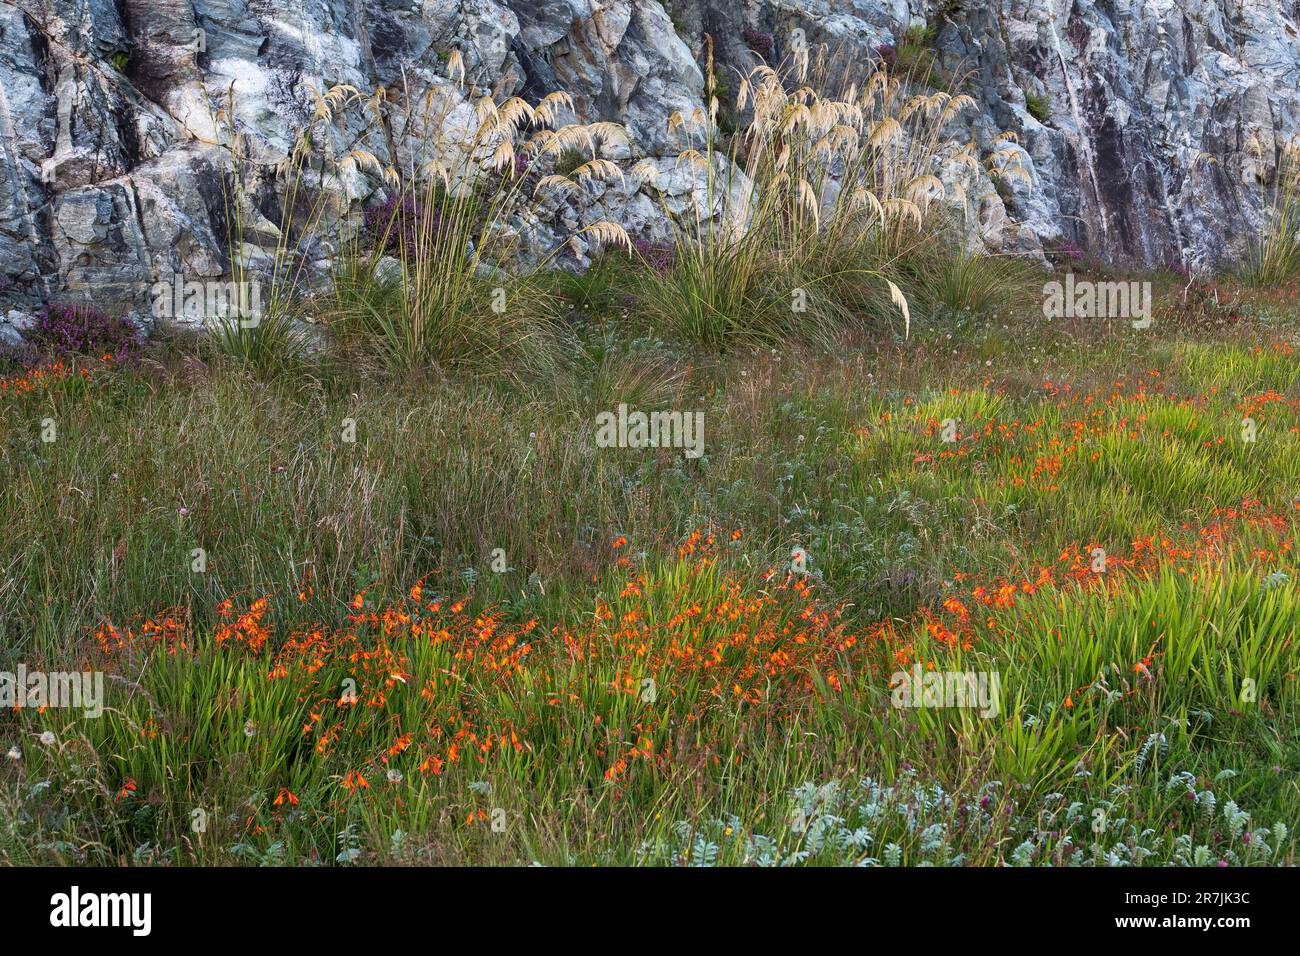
column 43, row 376
column 1188, row 550
column 668, row 656
column 1253, row 405
column 1031, row 455
column 439, row 684
column 32, row 379
column 357, row 681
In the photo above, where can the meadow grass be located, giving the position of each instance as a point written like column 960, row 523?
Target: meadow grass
column 375, row 593
column 668, row 660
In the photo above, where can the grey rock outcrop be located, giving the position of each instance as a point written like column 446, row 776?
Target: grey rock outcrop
column 1146, row 131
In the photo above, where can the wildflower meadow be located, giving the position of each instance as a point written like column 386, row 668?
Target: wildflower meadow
column 822, row 541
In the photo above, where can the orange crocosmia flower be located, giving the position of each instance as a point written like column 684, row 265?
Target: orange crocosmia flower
column 954, row 606
column 359, row 601
column 433, row 764
column 285, row 796
column 355, row 781
column 128, row 788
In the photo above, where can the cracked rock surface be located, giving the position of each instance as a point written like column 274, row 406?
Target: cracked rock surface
column 1149, row 130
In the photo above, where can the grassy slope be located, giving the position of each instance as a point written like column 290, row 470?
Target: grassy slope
column 1069, row 437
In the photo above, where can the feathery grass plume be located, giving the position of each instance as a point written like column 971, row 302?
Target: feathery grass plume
column 823, row 184
column 456, row 67
column 273, row 341
column 1274, row 259
column 466, row 298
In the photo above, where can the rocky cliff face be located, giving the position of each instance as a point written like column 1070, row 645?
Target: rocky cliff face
column 1148, row 130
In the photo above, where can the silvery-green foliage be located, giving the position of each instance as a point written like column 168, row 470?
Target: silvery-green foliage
column 704, row 852
column 349, row 845
column 1205, row 801
column 833, row 825
column 273, row 855
column 1259, row 842
column 766, row 851
column 911, row 823
column 1235, row 817
column 1275, row 580
column 1156, row 745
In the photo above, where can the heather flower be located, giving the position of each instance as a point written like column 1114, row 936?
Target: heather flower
column 399, row 222
column 888, row 54
column 659, row 257
column 761, row 43
column 1069, row 249
column 522, row 162
column 84, row 330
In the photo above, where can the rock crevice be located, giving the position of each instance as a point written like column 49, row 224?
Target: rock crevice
column 1146, row 131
